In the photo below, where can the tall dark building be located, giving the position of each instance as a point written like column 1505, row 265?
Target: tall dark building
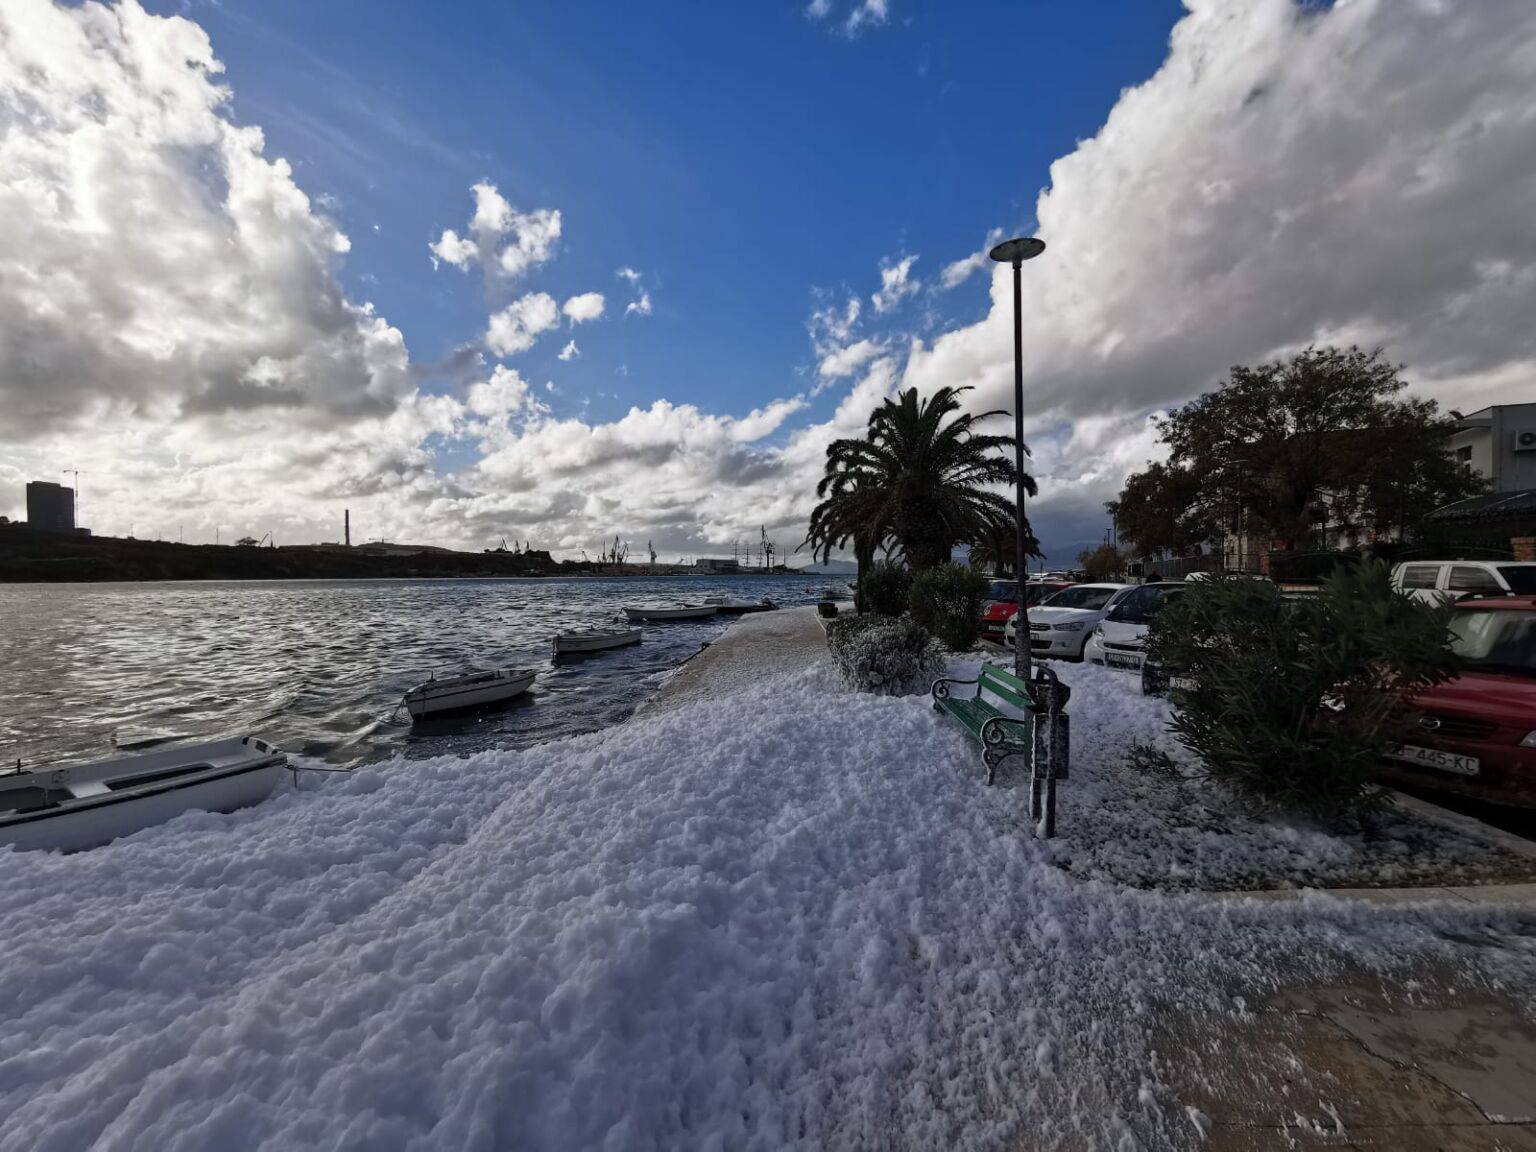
column 50, row 507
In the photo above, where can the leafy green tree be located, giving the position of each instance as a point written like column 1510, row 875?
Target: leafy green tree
column 1295, row 701
column 921, row 476
column 1160, row 510
column 1106, row 562
column 1326, row 436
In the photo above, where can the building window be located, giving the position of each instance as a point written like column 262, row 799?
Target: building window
column 1464, row 455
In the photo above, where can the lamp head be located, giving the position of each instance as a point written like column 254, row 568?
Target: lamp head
column 1017, row 250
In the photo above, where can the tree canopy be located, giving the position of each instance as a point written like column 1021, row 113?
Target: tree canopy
column 1323, row 437
column 921, row 476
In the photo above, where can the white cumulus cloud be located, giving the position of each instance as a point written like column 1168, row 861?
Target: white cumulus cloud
column 587, row 306
column 516, row 327
column 1290, row 174
column 508, row 243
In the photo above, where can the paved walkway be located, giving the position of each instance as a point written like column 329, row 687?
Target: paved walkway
column 757, row 646
column 1406, row 1067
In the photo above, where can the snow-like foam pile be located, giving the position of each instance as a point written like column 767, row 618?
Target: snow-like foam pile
column 788, row 917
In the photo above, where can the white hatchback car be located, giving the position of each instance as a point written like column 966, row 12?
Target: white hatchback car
column 1439, row 581
column 1059, row 626
column 1120, row 640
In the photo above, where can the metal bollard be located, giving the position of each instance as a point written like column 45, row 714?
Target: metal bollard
column 1051, row 751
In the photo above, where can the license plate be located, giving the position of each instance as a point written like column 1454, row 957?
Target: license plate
column 1435, row 758
column 1121, row 661
column 1182, row 682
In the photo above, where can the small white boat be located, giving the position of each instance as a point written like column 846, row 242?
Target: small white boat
column 732, row 607
column 475, row 690
column 85, row 805
column 679, row 612
column 595, row 640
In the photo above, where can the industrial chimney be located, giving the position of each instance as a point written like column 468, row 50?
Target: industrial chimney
column 347, row 525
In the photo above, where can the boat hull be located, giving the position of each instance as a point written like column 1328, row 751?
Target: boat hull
column 449, row 698
column 577, row 644
column 660, row 614
column 92, row 821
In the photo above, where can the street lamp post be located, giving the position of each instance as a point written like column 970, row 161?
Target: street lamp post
column 1015, row 252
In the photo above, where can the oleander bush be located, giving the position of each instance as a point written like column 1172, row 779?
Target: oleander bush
column 947, row 600
column 1295, row 699
column 884, row 589
column 889, row 657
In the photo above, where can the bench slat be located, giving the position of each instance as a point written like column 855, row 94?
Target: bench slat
column 1005, row 684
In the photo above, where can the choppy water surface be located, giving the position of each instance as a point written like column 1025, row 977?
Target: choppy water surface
column 317, row 666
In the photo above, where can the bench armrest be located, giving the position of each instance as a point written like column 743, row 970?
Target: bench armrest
column 940, row 689
column 992, row 732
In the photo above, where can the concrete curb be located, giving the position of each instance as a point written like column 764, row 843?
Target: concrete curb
column 1517, row 845
column 1518, row 893
column 1522, row 895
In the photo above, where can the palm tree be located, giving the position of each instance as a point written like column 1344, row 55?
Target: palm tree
column 999, row 552
column 916, row 480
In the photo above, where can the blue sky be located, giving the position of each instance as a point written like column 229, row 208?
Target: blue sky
column 238, row 332
column 739, row 155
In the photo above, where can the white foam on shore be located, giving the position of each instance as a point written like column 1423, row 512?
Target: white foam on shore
column 790, row 918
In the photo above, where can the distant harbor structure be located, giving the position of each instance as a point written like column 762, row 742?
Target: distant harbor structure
column 716, row 565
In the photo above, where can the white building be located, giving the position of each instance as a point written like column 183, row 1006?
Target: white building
column 1498, row 444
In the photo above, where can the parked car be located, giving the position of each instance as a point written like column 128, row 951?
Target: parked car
column 1438, row 581
column 1121, row 637
column 1476, row 735
column 1002, row 604
column 1061, row 624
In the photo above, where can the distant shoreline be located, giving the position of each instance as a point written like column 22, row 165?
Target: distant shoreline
column 31, row 557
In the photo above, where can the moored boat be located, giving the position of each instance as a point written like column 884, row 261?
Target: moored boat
column 676, row 612
column 726, row 605
column 84, row 805
column 595, row 640
column 474, row 690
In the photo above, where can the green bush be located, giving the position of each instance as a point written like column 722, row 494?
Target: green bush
column 885, row 656
column 884, row 589
column 1295, row 700
column 947, row 600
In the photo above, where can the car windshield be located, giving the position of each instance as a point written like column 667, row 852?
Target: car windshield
column 1521, row 578
column 1140, row 605
column 1034, row 593
column 1004, row 591
column 1080, row 597
column 1494, row 640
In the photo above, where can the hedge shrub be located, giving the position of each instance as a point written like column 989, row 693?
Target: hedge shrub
column 1295, row 700
column 885, row 656
column 884, row 589
column 947, row 600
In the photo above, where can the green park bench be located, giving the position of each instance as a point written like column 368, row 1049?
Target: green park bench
column 999, row 733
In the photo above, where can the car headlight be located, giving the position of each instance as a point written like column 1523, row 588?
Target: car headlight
column 1529, row 741
column 1070, row 627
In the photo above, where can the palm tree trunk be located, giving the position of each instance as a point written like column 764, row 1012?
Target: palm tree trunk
column 863, row 556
